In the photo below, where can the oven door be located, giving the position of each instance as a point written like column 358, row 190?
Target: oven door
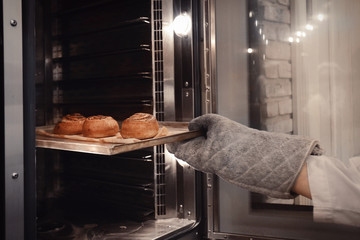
column 241, row 54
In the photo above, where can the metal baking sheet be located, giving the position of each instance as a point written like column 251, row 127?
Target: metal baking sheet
column 121, row 230
column 151, row 229
column 178, row 131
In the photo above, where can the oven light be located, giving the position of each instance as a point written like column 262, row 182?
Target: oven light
column 182, row 25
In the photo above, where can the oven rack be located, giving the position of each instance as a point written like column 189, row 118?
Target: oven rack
column 177, row 131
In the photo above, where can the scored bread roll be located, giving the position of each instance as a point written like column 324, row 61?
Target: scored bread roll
column 140, row 126
column 100, row 126
column 71, row 124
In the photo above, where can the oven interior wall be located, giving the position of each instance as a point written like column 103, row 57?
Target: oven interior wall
column 93, row 57
column 92, row 188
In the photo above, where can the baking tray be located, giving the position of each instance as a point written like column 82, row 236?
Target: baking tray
column 177, row 131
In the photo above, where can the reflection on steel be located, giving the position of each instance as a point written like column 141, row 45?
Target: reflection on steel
column 151, row 229
column 209, row 58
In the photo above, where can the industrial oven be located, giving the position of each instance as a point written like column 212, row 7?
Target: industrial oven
column 117, row 58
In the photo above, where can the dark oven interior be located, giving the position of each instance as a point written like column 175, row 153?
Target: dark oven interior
column 95, row 57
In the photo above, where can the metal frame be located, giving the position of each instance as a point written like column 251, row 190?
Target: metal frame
column 168, row 55
column 30, row 207
column 208, row 96
column 183, row 50
column 178, row 202
column 251, row 223
column 13, row 120
column 208, row 58
column 169, row 206
column 184, row 66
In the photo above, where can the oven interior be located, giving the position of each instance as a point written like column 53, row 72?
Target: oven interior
column 96, row 57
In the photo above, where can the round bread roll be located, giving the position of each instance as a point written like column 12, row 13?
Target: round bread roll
column 71, row 124
column 100, row 126
column 140, row 126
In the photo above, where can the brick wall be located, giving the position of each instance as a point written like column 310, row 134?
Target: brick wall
column 270, row 66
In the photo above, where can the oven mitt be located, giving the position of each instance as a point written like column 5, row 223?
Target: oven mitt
column 259, row 161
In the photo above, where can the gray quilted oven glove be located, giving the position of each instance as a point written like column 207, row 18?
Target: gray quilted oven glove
column 259, row 161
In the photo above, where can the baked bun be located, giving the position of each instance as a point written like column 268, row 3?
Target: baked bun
column 140, row 126
column 100, row 126
column 70, row 124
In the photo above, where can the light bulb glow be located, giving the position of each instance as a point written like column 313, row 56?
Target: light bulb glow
column 182, row 163
column 309, row 27
column 182, row 25
column 320, row 17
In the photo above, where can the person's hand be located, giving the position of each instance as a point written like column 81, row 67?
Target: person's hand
column 259, row 161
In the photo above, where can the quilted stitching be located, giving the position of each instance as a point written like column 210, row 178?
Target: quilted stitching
column 259, row 161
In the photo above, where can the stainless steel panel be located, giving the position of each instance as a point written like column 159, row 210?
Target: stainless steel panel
column 171, row 178
column 187, row 100
column 208, row 58
column 180, row 189
column 209, row 95
column 13, row 111
column 189, row 204
column 168, row 54
column 179, row 203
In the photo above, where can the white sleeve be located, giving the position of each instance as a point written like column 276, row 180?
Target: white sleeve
column 335, row 189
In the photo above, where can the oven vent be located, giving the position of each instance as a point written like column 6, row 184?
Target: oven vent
column 160, row 181
column 159, row 105
column 158, row 60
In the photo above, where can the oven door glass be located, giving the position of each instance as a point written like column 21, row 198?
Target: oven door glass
column 298, row 63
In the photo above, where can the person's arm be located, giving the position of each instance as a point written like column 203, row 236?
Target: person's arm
column 301, row 185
